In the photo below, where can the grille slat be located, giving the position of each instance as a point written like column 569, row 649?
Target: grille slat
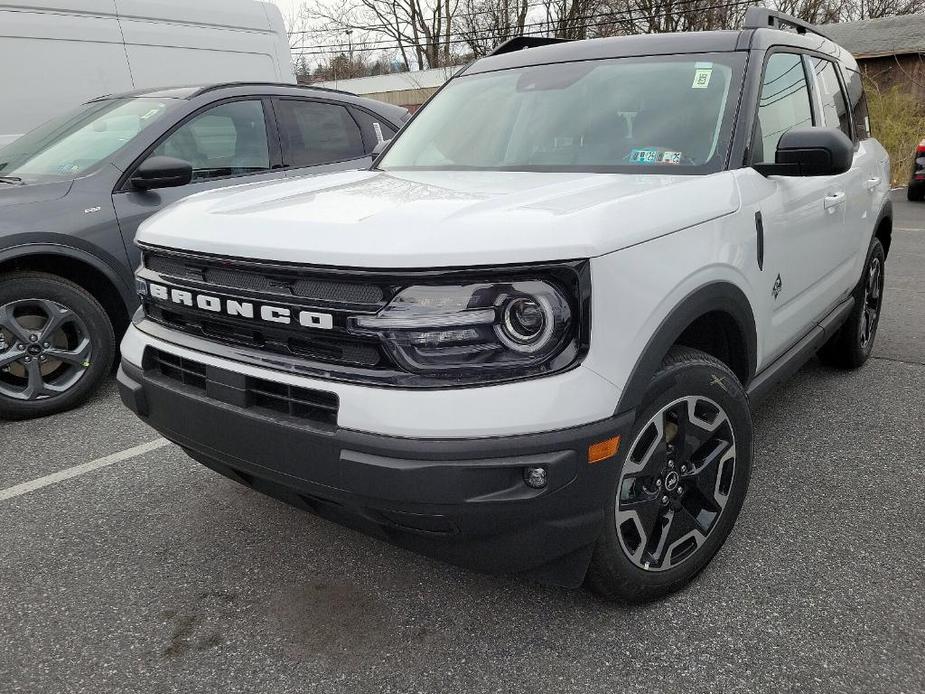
column 317, row 406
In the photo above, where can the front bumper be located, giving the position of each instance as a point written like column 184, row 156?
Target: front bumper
column 460, row 500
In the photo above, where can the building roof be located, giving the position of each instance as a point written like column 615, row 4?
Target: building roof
column 871, row 38
column 394, row 82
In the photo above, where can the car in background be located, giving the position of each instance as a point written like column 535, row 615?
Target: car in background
column 74, row 190
column 85, row 48
column 916, row 190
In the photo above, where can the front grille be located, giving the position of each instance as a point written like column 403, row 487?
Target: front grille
column 297, row 288
column 257, row 394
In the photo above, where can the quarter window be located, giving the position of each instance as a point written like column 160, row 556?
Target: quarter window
column 858, row 101
column 834, row 104
column 319, row 133
column 784, row 104
column 228, row 140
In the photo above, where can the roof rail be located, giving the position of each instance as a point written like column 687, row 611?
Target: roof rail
column 225, row 85
column 762, row 18
column 519, row 43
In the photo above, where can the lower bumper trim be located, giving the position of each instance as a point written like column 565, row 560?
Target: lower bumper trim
column 462, row 501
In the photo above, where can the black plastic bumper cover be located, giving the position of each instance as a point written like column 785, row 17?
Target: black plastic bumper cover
column 462, row 501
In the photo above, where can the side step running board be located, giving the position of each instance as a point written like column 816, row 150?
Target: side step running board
column 787, row 364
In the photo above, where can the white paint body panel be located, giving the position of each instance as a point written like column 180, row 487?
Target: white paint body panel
column 373, row 219
column 67, row 52
column 651, row 241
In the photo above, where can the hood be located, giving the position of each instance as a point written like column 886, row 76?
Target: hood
column 26, row 193
column 379, row 219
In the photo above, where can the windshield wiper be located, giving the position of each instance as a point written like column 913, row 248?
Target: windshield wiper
column 10, row 179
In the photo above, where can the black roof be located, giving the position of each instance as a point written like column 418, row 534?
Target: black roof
column 188, row 93
column 655, row 44
column 192, row 91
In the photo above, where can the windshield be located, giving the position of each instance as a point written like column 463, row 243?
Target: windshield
column 656, row 114
column 67, row 146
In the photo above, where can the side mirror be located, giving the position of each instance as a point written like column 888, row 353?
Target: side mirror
column 162, row 172
column 380, row 147
column 810, row 152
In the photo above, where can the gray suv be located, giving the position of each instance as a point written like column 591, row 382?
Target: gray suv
column 74, row 190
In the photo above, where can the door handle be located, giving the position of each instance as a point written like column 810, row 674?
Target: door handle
column 835, row 199
column 873, row 183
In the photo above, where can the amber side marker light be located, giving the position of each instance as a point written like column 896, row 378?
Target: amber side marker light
column 603, row 450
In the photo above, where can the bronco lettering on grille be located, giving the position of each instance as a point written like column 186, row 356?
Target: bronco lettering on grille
column 242, row 309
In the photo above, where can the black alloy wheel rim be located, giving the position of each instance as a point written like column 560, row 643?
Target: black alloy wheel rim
column 675, row 483
column 873, row 293
column 45, row 349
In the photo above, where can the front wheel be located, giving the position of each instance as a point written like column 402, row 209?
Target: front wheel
column 56, row 345
column 683, row 479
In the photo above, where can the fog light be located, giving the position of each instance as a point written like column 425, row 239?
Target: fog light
column 535, row 477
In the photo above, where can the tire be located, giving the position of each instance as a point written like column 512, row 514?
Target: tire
column 693, row 382
column 850, row 347
column 915, row 194
column 71, row 360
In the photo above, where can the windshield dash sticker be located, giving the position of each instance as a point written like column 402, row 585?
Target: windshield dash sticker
column 702, row 78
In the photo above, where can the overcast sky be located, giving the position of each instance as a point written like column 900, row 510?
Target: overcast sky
column 287, row 7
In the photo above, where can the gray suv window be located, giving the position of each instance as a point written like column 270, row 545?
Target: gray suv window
column 228, row 140
column 319, row 133
column 784, row 104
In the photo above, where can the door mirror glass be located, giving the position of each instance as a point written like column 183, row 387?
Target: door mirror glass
column 162, row 172
column 811, row 152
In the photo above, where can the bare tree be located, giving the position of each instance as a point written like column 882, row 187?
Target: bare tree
column 484, row 24
column 421, row 30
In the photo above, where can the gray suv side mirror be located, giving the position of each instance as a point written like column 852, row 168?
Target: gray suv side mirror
column 162, row 172
column 810, row 152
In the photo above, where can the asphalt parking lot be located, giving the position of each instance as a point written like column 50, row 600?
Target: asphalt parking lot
column 153, row 574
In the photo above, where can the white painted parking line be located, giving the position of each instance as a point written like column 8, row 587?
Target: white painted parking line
column 82, row 469
column 909, row 229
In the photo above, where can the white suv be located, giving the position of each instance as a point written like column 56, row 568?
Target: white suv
column 527, row 339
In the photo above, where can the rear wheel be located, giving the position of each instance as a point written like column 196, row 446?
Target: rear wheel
column 915, row 193
column 682, row 483
column 56, row 345
column 850, row 347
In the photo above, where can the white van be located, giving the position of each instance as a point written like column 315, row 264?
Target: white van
column 57, row 54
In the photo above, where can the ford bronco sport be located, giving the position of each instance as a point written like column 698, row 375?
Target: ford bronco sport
column 528, row 337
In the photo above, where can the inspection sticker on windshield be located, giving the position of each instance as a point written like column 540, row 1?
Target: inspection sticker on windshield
column 644, row 156
column 653, row 155
column 702, row 78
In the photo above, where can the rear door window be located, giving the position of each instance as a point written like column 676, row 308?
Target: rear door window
column 314, row 132
column 857, row 99
column 783, row 105
column 834, row 102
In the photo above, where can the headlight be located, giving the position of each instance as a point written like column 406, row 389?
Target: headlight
column 478, row 331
